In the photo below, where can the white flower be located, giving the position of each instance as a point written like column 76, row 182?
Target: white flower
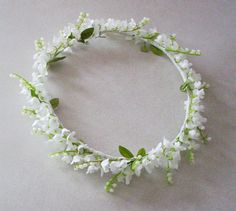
column 76, row 159
column 152, row 154
column 167, row 143
column 67, row 159
column 110, row 24
column 175, row 162
column 162, row 161
column 34, row 103
column 194, row 145
column 198, row 84
column 70, row 146
column 82, row 146
column 148, row 165
column 198, row 107
column 195, row 76
column 185, row 64
column 138, row 170
column 131, row 24
column 179, row 57
column 64, row 132
column 25, row 92
column 174, row 45
column 92, row 169
column 163, row 40
column 158, row 148
column 194, row 134
column 196, row 100
column 53, row 123
column 43, row 110
column 105, row 165
column 89, row 158
column 117, row 166
column 71, row 136
column 36, row 124
column 57, row 137
column 198, row 119
column 128, row 175
column 199, row 93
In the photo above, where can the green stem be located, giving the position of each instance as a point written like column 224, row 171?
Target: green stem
column 65, row 152
column 182, row 51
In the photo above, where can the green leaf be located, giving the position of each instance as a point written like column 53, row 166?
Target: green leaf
column 141, row 152
column 71, row 36
column 56, row 59
column 125, row 152
column 185, row 86
column 151, row 36
column 54, row 102
column 156, row 50
column 33, row 93
column 86, row 34
column 135, row 165
column 144, row 48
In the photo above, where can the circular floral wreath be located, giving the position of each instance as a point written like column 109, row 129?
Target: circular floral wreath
column 76, row 152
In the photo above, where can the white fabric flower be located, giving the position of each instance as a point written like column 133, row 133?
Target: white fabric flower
column 82, row 146
column 138, row 170
column 199, row 93
column 117, row 166
column 53, row 123
column 57, row 137
column 185, row 64
column 92, row 169
column 194, row 134
column 88, row 158
column 179, row 57
column 105, row 165
column 71, row 136
column 67, row 159
column 148, row 165
column 128, row 175
column 76, row 159
column 34, row 103
column 198, row 84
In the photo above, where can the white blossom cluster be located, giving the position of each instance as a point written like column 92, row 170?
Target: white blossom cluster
column 74, row 151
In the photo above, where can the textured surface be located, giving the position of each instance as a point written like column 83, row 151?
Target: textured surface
column 113, row 94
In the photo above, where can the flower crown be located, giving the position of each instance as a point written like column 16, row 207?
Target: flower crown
column 76, row 152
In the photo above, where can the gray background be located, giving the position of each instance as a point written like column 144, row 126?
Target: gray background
column 113, row 94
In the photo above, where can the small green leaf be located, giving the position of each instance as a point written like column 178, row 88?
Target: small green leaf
column 135, row 165
column 33, row 93
column 142, row 152
column 185, row 86
column 156, row 50
column 186, row 131
column 56, row 59
column 144, row 48
column 71, row 36
column 125, row 152
column 54, row 102
column 151, row 36
column 86, row 34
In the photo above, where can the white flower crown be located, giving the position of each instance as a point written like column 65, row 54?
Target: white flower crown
column 75, row 152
